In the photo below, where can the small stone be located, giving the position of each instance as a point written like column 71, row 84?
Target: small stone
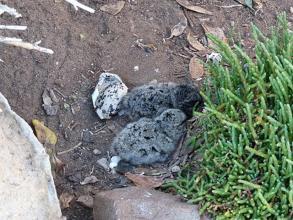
column 48, row 106
column 66, row 106
column 291, row 10
column 86, row 201
column 89, row 179
column 46, row 98
column 175, row 169
column 87, row 136
column 51, row 110
column 97, row 152
column 136, row 68
column 103, row 162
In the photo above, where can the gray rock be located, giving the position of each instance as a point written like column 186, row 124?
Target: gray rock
column 108, row 94
column 51, row 110
column 48, row 106
column 133, row 203
column 148, row 141
column 103, row 162
column 27, row 188
column 97, row 152
column 87, row 136
column 149, row 100
column 89, row 180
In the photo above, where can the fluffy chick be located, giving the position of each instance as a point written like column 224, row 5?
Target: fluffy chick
column 148, row 140
column 149, row 100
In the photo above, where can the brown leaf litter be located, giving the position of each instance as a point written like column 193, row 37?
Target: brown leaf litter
column 145, row 181
column 113, row 8
column 186, row 4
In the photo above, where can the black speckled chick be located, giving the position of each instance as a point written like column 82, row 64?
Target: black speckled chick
column 149, row 100
column 148, row 140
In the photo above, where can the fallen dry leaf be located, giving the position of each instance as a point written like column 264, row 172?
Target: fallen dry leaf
column 179, row 28
column 87, row 201
column 114, row 8
column 186, row 4
column 88, row 180
column 65, row 199
column 145, row 181
column 196, row 68
column 56, row 163
column 218, row 32
column 258, row 4
column 44, row 134
column 195, row 43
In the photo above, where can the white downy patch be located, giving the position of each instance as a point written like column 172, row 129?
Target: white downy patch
column 114, row 161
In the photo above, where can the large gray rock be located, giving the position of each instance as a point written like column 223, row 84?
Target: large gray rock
column 133, row 203
column 27, row 189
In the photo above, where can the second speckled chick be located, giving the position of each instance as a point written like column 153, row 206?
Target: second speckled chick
column 149, row 100
column 148, row 140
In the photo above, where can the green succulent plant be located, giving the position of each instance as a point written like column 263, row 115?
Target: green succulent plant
column 246, row 170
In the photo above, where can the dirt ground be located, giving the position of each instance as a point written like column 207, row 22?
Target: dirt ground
column 87, row 44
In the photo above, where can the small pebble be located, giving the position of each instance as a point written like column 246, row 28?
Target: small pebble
column 87, row 136
column 97, row 152
column 175, row 169
column 103, row 162
column 136, row 68
column 66, row 106
column 89, row 180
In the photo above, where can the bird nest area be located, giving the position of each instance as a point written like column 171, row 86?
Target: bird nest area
column 133, row 42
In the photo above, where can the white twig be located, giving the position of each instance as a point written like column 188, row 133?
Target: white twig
column 11, row 11
column 77, row 5
column 71, row 149
column 17, row 42
column 13, row 27
column 229, row 6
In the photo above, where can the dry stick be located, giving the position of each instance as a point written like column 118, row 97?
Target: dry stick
column 11, row 11
column 60, row 93
column 17, row 42
column 188, row 18
column 77, row 5
column 71, row 149
column 229, row 6
column 175, row 158
column 13, row 27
